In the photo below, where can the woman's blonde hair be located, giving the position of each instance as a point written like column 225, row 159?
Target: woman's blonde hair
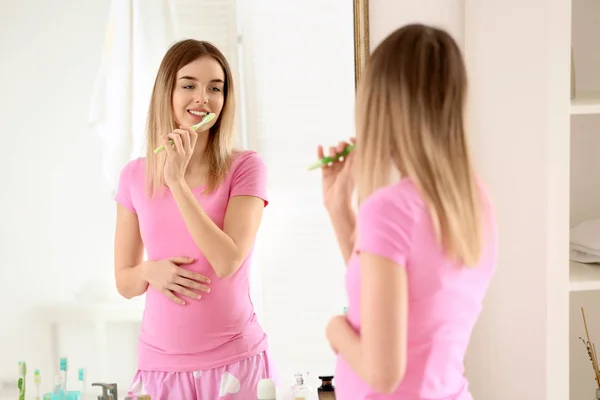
column 160, row 116
column 410, row 118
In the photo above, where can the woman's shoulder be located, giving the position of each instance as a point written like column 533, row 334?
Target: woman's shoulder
column 134, row 169
column 239, row 156
column 135, row 164
column 401, row 194
column 242, row 159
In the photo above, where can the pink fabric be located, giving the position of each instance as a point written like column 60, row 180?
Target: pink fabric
column 235, row 381
column 221, row 328
column 445, row 299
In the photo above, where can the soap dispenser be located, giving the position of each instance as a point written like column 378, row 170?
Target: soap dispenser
column 301, row 390
column 109, row 391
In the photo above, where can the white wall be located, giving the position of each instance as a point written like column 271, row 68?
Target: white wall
column 57, row 214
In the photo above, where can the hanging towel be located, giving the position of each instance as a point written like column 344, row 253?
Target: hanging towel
column 138, row 34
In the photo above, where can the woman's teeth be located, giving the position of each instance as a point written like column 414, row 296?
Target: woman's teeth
column 198, row 113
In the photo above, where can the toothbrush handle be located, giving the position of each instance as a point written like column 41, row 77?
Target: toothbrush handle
column 161, row 147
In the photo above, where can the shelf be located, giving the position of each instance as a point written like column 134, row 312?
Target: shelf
column 586, row 103
column 106, row 312
column 584, row 276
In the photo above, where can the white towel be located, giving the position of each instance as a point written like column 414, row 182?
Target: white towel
column 139, row 33
column 585, row 242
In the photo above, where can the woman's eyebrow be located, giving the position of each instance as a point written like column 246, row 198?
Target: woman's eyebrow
column 191, row 78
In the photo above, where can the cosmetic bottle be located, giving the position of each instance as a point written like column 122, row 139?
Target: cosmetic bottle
column 301, row 390
column 326, row 391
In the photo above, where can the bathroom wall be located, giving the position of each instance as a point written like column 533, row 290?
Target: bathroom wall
column 57, row 217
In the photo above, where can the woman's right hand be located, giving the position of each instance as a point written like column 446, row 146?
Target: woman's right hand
column 169, row 278
column 338, row 179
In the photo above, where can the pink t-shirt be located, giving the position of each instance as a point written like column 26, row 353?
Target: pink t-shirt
column 444, row 302
column 220, row 328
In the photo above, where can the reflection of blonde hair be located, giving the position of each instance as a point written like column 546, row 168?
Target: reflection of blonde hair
column 410, row 118
column 161, row 120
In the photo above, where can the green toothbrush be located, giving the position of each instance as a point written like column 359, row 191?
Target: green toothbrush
column 22, row 383
column 37, row 378
column 326, row 160
column 207, row 118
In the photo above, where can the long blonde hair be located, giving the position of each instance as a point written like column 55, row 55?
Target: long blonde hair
column 410, row 118
column 160, row 116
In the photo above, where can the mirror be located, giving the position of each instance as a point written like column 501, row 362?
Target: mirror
column 75, row 103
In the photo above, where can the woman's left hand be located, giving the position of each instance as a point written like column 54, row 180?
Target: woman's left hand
column 178, row 154
column 332, row 328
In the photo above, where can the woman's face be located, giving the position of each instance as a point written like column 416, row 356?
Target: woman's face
column 199, row 90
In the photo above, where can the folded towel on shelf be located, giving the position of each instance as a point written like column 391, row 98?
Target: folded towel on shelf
column 585, row 242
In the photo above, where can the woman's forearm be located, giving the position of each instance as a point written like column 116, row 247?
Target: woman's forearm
column 343, row 220
column 217, row 247
column 131, row 281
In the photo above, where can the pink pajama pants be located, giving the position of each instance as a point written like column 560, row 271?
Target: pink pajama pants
column 234, row 381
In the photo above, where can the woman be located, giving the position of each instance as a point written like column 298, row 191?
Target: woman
column 425, row 248
column 195, row 209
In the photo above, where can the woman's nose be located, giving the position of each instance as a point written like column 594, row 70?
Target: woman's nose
column 202, row 97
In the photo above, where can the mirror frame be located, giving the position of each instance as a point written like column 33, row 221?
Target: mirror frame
column 361, row 37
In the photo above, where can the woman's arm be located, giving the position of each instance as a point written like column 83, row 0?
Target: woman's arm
column 224, row 249
column 378, row 355
column 129, row 253
column 343, row 220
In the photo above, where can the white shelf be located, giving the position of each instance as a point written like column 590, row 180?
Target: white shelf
column 586, row 103
column 127, row 311
column 584, row 276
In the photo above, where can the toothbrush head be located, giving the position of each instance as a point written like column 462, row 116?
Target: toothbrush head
column 207, row 118
column 37, row 378
column 81, row 374
column 327, row 160
column 63, row 363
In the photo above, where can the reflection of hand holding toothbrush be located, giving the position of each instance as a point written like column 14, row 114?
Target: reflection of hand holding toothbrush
column 338, row 180
column 338, row 187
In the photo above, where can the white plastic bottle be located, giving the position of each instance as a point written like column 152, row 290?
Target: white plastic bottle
column 266, row 390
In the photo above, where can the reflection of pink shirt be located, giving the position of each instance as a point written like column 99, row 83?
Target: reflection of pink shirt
column 444, row 298
column 221, row 327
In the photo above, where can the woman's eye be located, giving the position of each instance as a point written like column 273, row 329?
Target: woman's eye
column 189, row 87
column 216, row 89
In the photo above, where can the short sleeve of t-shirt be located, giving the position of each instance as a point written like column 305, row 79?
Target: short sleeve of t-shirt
column 123, row 195
column 249, row 177
column 385, row 224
